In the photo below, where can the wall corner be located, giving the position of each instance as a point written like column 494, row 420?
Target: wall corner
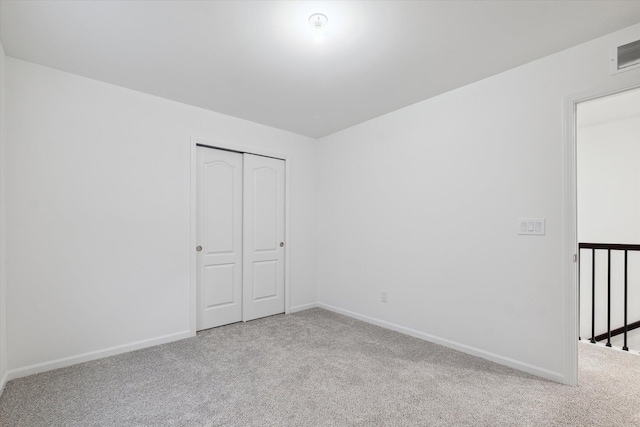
column 3, row 233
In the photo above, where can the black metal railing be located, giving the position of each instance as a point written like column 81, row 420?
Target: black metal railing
column 627, row 327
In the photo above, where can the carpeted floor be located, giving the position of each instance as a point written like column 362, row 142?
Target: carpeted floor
column 318, row 368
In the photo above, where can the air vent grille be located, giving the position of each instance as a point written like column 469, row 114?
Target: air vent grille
column 625, row 57
column 628, row 55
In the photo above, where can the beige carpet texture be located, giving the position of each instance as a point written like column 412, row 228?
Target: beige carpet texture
column 318, row 368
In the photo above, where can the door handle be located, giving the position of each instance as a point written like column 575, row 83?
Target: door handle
column 198, row 248
column 281, row 244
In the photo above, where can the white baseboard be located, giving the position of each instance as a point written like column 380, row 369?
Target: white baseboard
column 302, row 307
column 3, row 381
column 512, row 363
column 93, row 355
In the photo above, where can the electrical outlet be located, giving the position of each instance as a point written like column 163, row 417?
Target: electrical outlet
column 384, row 296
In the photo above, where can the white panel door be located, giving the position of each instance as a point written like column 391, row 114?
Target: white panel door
column 219, row 237
column 263, row 261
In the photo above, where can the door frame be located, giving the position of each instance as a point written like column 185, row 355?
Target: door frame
column 570, row 219
column 240, row 148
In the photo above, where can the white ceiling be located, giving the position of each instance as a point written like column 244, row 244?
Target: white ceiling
column 258, row 61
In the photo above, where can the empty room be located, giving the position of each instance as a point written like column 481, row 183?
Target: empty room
column 318, row 213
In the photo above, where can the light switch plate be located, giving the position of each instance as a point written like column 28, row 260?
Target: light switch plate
column 531, row 226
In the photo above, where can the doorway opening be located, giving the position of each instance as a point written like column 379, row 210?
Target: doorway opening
column 608, row 184
column 571, row 324
column 607, row 197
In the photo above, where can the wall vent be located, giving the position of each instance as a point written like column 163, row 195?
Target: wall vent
column 625, row 57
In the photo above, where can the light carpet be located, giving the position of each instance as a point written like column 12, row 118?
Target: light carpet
column 318, row 368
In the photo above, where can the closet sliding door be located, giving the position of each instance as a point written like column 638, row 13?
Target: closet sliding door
column 263, row 261
column 219, row 231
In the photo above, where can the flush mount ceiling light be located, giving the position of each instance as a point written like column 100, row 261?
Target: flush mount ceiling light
column 318, row 20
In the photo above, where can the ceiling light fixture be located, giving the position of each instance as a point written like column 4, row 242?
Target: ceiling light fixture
column 318, row 21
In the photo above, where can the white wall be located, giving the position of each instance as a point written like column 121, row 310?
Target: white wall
column 3, row 230
column 609, row 182
column 608, row 212
column 99, row 214
column 423, row 202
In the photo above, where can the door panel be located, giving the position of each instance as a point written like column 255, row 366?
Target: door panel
column 219, row 208
column 219, row 285
column 265, row 211
column 219, row 233
column 265, row 279
column 263, row 260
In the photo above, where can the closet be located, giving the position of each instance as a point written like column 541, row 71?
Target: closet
column 240, row 223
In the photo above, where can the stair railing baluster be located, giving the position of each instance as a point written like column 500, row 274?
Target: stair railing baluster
column 608, row 297
column 625, row 348
column 593, row 296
